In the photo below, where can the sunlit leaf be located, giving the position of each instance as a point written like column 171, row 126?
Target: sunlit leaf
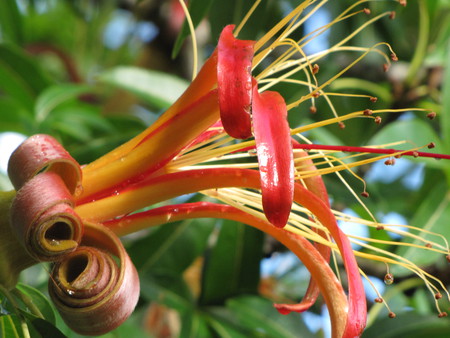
column 55, row 95
column 155, row 88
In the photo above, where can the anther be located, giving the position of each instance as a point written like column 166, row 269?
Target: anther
column 392, row 15
column 438, row 295
column 388, row 279
column 391, row 315
column 394, row 57
column 377, row 120
column 315, row 68
column 373, row 99
column 312, row 109
column 365, row 194
column 402, row 2
column 415, row 154
column 341, row 125
column 429, row 245
column 448, row 258
column 385, row 67
column 380, row 227
column 431, row 115
column 378, row 300
column 316, row 94
column 398, row 156
column 366, row 11
column 367, row 112
column 431, row 145
column 389, row 161
column 442, row 314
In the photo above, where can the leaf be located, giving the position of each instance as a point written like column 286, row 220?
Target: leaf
column 172, row 247
column 154, row 88
column 56, row 95
column 194, row 325
column 13, row 117
column 10, row 327
column 432, row 215
column 197, row 10
column 416, row 132
column 20, row 76
column 171, row 291
column 444, row 117
column 232, row 265
column 409, row 325
column 41, row 328
column 40, row 301
column 260, row 317
column 11, row 22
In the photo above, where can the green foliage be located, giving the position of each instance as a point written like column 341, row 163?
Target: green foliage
column 39, row 94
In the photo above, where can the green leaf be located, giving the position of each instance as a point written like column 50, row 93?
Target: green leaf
column 10, row 327
column 154, row 88
column 40, row 327
column 260, row 317
column 11, row 22
column 232, row 265
column 416, row 132
column 172, row 247
column 56, row 95
column 409, row 325
column 445, row 116
column 20, row 76
column 39, row 300
column 171, row 291
column 197, row 10
column 194, row 325
column 13, row 117
column 432, row 215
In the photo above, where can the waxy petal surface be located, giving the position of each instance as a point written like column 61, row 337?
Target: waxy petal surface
column 274, row 150
column 234, row 82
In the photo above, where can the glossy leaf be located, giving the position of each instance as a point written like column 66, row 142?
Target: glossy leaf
column 409, row 325
column 10, row 327
column 56, row 95
column 260, row 317
column 153, row 87
column 40, row 301
column 432, row 215
column 232, row 265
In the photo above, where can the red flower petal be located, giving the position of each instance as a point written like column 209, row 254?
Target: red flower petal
column 274, row 149
column 234, row 81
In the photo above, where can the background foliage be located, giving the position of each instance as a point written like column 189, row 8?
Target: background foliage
column 95, row 73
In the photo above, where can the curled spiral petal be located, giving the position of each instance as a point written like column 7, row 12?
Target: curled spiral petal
column 96, row 287
column 43, row 153
column 43, row 219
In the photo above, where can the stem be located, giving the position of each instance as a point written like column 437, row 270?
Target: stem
column 14, row 257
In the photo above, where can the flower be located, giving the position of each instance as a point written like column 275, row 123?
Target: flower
column 75, row 214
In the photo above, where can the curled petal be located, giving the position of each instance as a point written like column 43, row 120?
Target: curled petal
column 234, row 83
column 96, row 287
column 42, row 152
column 43, row 219
column 316, row 185
column 274, row 150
